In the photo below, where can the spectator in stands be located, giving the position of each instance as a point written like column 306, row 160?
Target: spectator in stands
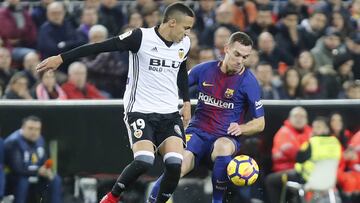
column 151, row 15
column 224, row 17
column 135, row 20
column 305, row 63
column 56, row 35
column 311, row 88
column 220, row 38
column 355, row 13
column 205, row 15
column 291, row 88
column 18, row 31
column 288, row 37
column 48, row 88
column 264, row 75
column 288, row 139
column 6, row 72
column 111, row 16
column 326, row 48
column 76, row 10
column 31, row 60
column 26, row 158
column 76, row 87
column 206, row 54
column 343, row 64
column 342, row 24
column 89, row 18
column 353, row 49
column 244, row 13
column 17, row 87
column 299, row 6
column 38, row 12
column 338, row 129
column 312, row 28
column 263, row 23
column 351, row 90
column 193, row 55
column 331, row 6
column 270, row 52
column 2, row 167
column 252, row 60
column 107, row 71
column 321, row 146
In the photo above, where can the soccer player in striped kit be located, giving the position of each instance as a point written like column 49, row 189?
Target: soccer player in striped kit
column 227, row 89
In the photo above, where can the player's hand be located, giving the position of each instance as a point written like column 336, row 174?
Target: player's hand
column 186, row 113
column 234, row 129
column 51, row 63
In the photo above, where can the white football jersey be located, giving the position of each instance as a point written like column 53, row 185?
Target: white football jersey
column 153, row 69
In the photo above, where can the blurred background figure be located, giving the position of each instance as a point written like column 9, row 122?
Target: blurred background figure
column 31, row 60
column 25, row 155
column 107, row 71
column 18, row 30
column 77, row 86
column 289, row 138
column 48, row 88
column 17, row 88
column 291, row 86
column 38, row 12
column 220, row 38
column 89, row 17
column 111, row 16
column 270, row 52
column 6, row 72
column 264, row 75
column 56, row 35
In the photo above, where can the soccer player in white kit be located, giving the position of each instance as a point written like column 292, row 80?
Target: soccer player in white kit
column 157, row 70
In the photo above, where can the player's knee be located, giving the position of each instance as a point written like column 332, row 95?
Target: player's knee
column 223, row 147
column 144, row 160
column 173, row 162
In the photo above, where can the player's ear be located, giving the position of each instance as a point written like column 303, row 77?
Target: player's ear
column 226, row 48
column 172, row 22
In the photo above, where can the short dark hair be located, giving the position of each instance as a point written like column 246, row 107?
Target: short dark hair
column 177, row 7
column 242, row 38
column 30, row 118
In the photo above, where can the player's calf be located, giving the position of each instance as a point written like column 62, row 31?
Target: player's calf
column 171, row 176
column 143, row 161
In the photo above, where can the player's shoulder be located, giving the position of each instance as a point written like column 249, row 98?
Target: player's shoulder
column 249, row 77
column 205, row 65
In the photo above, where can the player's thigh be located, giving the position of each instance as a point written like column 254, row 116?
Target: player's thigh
column 143, row 145
column 188, row 163
column 223, row 146
column 172, row 144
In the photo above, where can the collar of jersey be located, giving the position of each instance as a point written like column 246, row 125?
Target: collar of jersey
column 167, row 43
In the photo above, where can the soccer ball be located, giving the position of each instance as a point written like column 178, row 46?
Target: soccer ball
column 243, row 170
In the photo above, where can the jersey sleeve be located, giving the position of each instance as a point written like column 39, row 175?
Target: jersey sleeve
column 128, row 41
column 194, row 74
column 252, row 90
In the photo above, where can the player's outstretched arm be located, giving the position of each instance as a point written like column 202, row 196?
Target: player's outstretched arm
column 53, row 62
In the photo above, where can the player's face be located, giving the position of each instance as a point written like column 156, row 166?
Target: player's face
column 31, row 130
column 182, row 28
column 235, row 56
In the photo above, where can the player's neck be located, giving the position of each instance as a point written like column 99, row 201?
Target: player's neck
column 164, row 32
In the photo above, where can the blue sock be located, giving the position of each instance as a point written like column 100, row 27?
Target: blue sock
column 155, row 190
column 219, row 177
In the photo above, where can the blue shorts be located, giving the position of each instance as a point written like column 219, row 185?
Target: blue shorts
column 201, row 144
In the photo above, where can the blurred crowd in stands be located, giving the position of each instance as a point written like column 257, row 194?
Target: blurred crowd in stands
column 304, row 49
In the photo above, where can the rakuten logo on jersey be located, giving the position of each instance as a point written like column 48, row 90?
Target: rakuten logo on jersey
column 210, row 100
column 159, row 65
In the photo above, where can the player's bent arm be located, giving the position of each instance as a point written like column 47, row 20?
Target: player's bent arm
column 254, row 126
